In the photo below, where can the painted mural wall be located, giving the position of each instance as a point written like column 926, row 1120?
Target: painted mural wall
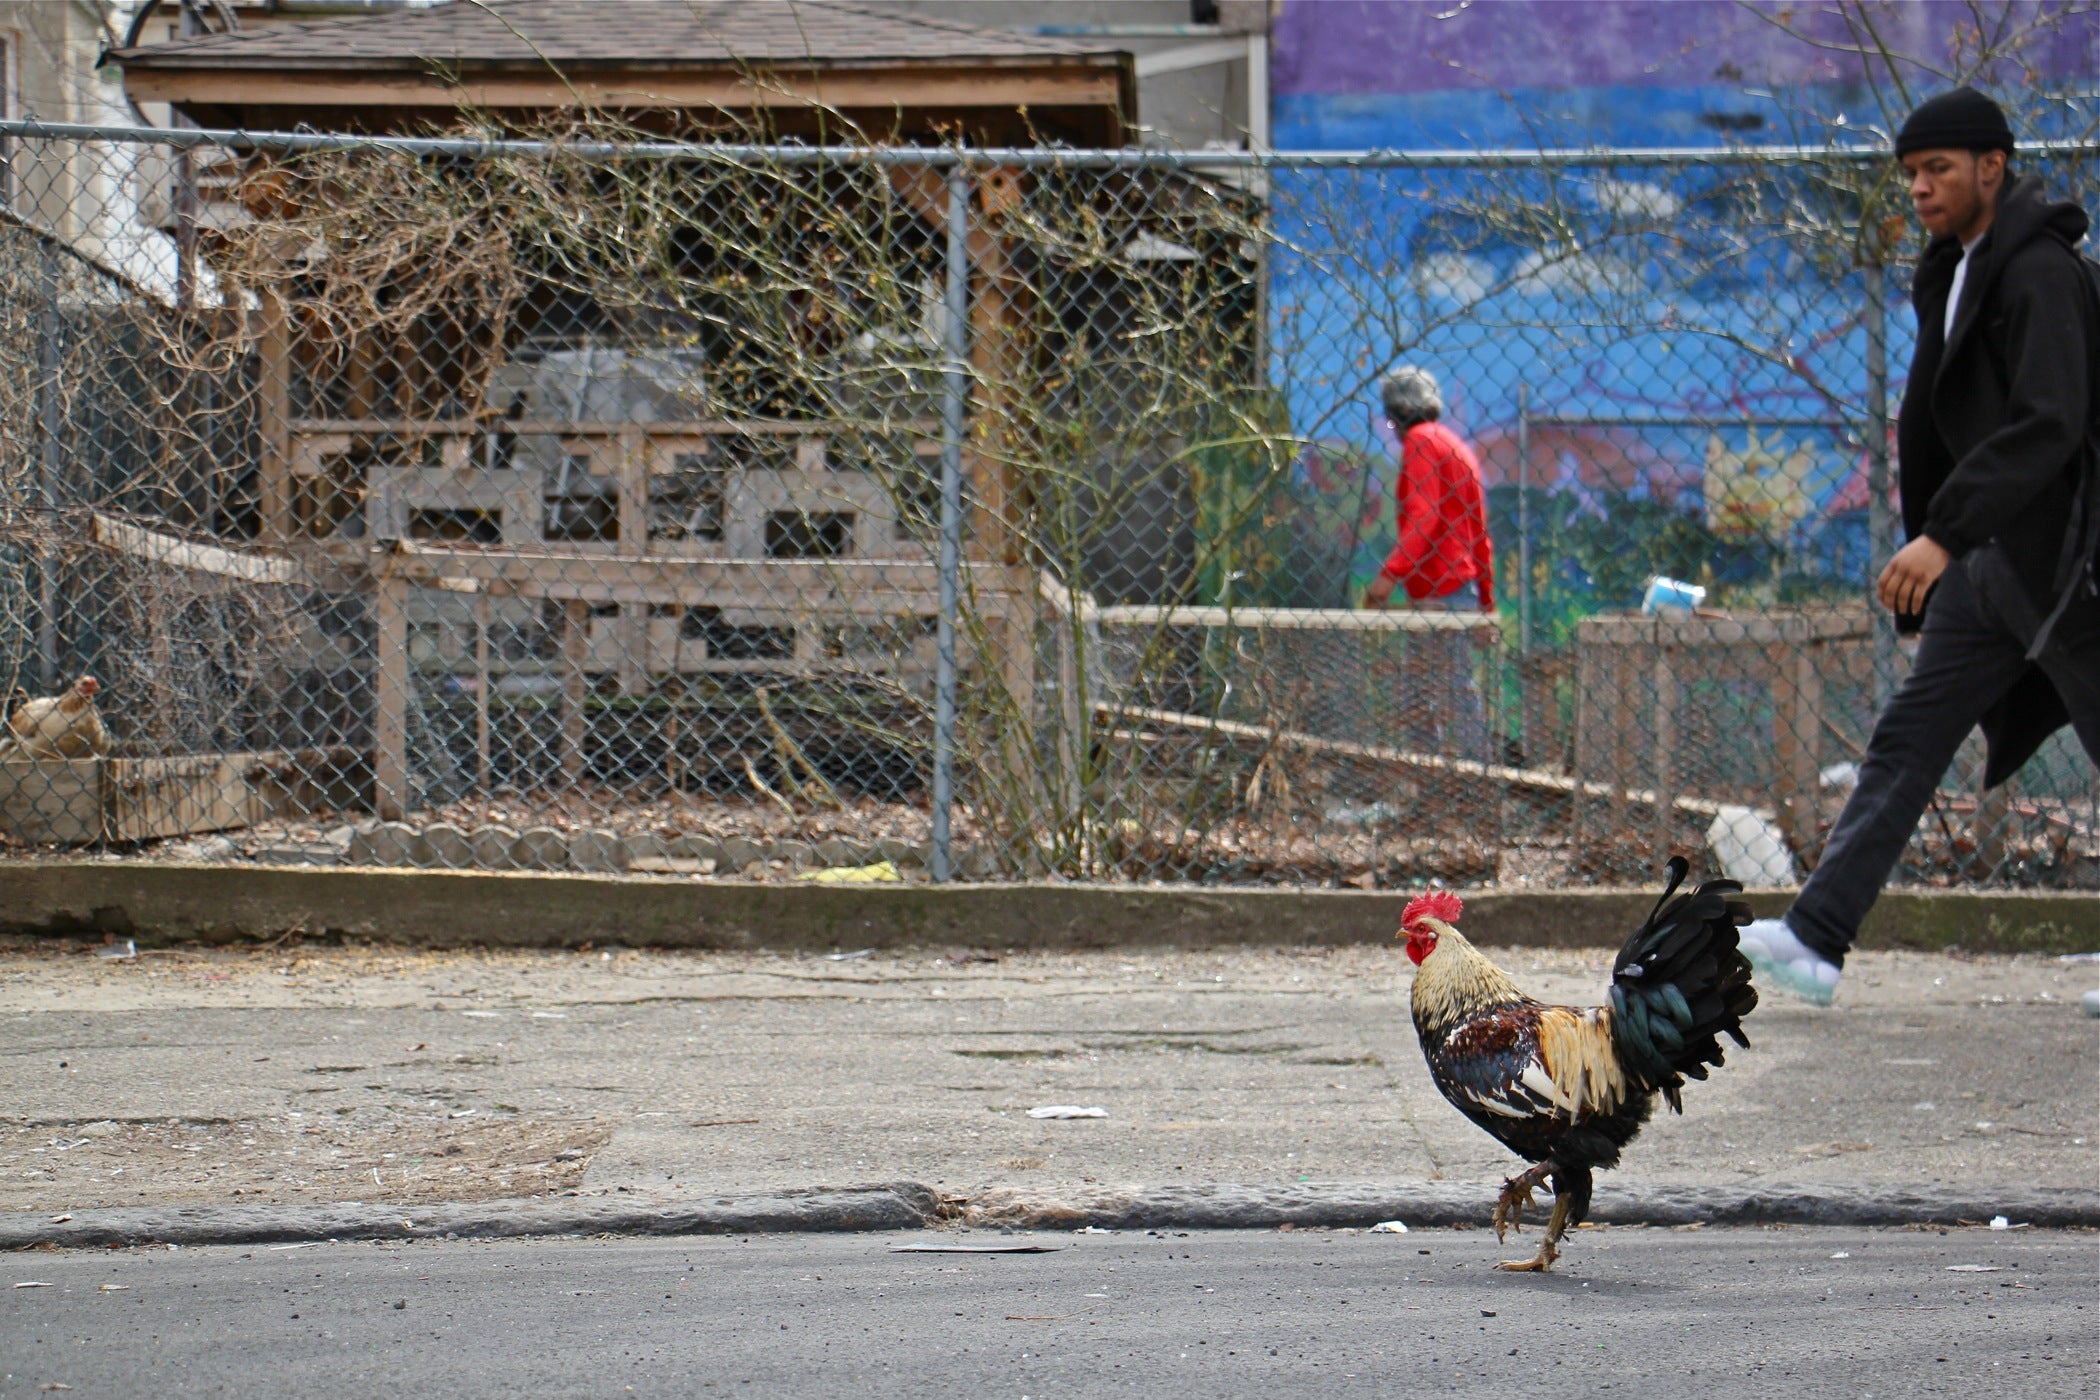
column 1715, row 430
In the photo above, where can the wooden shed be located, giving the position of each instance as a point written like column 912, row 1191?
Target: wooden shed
column 663, row 541
column 681, row 64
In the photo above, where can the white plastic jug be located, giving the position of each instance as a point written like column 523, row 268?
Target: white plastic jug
column 1749, row 848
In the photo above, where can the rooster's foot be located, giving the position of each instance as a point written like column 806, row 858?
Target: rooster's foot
column 1539, row 1263
column 1516, row 1196
column 1556, row 1230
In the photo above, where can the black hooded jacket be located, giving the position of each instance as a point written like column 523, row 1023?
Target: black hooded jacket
column 1997, row 419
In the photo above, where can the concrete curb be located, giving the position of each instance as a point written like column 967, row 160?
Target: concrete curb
column 899, row 1206
column 1455, row 1203
column 443, row 908
column 910, row 1206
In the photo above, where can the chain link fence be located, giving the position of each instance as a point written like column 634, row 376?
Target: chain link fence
column 777, row 513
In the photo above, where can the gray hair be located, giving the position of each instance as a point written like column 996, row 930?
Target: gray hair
column 1410, row 394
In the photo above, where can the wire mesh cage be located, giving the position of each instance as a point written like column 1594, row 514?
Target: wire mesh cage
column 579, row 503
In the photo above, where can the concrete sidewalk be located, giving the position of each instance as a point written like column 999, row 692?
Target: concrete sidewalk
column 279, row 1079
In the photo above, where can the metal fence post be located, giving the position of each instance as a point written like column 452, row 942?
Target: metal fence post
column 1878, row 523
column 48, row 353
column 954, row 389
column 1524, row 522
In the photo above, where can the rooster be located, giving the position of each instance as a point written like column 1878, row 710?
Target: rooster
column 1564, row 1087
column 60, row 726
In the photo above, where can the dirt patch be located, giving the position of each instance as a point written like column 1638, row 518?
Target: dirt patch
column 77, row 1166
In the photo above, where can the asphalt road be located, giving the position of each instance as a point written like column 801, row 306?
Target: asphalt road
column 1715, row 1313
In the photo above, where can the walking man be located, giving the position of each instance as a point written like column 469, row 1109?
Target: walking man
column 1999, row 460
column 1443, row 560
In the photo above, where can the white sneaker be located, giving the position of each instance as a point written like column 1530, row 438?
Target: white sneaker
column 1783, row 960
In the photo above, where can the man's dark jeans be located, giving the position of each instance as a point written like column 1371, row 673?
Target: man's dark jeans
column 1970, row 654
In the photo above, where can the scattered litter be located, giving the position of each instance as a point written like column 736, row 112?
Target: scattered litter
column 1999, row 1222
column 60, row 1219
column 1973, row 1269
column 464, row 1113
column 484, row 1015
column 550, row 1015
column 1842, row 1254
column 2078, row 957
column 1066, row 1110
column 2091, row 1002
column 1389, row 1227
column 1839, row 775
column 123, row 950
column 850, row 957
column 54, row 1385
column 974, row 1248
column 1487, row 1312
column 114, row 1288
column 1092, row 1230
column 882, row 872
column 32, row 1283
column 304, row 1244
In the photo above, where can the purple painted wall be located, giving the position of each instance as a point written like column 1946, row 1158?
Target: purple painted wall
column 1414, row 46
column 1434, row 73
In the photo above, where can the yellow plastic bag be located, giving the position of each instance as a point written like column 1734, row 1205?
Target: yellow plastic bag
column 882, row 872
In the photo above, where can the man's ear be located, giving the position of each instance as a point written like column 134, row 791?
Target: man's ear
column 1990, row 170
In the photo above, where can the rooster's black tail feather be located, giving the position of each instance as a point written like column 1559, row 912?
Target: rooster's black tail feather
column 1680, row 983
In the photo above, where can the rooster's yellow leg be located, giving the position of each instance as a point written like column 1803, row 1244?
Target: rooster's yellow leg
column 1556, row 1226
column 1516, row 1195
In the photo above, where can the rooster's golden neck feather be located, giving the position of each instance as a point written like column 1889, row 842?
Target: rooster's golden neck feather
column 1455, row 981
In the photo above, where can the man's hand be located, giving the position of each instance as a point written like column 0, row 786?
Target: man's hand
column 1911, row 574
column 1380, row 591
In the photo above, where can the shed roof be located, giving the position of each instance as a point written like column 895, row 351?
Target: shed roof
column 695, row 55
column 619, row 33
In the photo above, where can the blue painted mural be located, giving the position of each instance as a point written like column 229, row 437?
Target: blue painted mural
column 1693, row 387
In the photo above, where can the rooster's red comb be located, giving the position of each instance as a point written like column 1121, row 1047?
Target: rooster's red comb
column 1437, row 904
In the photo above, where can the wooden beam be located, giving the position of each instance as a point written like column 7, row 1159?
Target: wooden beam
column 1534, row 779
column 176, row 553
column 860, row 587
column 884, row 89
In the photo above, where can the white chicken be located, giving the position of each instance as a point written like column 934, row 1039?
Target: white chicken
column 60, row 726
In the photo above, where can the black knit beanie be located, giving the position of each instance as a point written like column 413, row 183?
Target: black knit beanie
column 1961, row 120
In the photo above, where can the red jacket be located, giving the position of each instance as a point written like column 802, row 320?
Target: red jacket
column 1442, row 516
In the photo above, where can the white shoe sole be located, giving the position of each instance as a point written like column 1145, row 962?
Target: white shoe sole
column 1784, row 977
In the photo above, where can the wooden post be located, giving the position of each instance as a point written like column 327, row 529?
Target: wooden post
column 1797, row 717
column 1625, row 716
column 1584, row 740
column 483, row 777
column 575, row 651
column 1665, row 674
column 631, row 636
column 390, row 679
column 1071, row 729
column 631, row 471
column 1993, row 809
column 276, row 523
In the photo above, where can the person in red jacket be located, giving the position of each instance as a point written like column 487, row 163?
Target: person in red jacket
column 1443, row 557
column 1443, row 560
